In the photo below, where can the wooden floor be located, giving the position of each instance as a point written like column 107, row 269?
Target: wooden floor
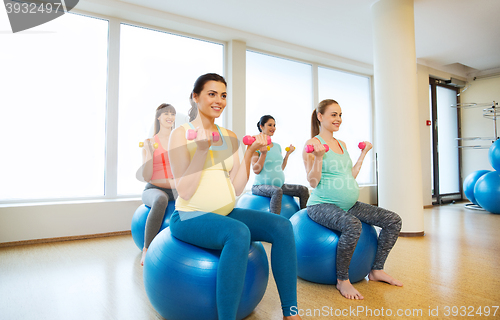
column 456, row 264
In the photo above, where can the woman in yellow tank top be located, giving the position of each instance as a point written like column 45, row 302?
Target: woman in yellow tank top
column 208, row 176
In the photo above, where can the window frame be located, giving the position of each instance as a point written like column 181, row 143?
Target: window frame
column 112, row 104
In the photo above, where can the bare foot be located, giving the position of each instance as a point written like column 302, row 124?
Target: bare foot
column 347, row 290
column 144, row 250
column 296, row 317
column 380, row 275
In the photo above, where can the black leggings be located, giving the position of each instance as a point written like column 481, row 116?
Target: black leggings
column 276, row 194
column 349, row 224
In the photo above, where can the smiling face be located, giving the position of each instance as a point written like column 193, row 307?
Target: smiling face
column 167, row 119
column 212, row 99
column 269, row 127
column 331, row 119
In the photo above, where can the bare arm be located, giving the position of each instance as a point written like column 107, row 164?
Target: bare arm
column 313, row 162
column 359, row 163
column 241, row 172
column 285, row 159
column 259, row 160
column 187, row 171
column 147, row 160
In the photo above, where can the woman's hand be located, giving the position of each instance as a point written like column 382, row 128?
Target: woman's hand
column 368, row 146
column 357, row 167
column 291, row 149
column 149, row 146
column 319, row 150
column 263, row 149
column 260, row 143
column 203, row 142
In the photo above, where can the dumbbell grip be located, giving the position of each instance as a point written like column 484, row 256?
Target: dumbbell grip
column 248, row 140
column 310, row 148
column 192, row 134
column 155, row 145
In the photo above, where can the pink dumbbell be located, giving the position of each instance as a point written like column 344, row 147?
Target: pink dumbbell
column 248, row 140
column 310, row 148
column 191, row 135
column 362, row 145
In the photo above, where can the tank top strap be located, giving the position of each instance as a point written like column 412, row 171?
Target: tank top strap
column 160, row 147
column 338, row 142
column 320, row 139
column 341, row 146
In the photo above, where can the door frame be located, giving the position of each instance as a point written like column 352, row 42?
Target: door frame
column 437, row 197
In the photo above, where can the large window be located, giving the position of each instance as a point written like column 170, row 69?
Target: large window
column 352, row 92
column 283, row 89
column 155, row 68
column 52, row 109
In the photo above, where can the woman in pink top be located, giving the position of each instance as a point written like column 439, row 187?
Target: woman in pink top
column 160, row 188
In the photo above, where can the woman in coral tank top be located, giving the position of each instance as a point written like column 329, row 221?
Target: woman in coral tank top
column 156, row 171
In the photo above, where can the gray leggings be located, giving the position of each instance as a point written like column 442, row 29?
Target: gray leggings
column 276, row 194
column 157, row 199
column 349, row 224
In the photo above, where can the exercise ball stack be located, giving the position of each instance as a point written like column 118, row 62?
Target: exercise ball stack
column 251, row 201
column 180, row 279
column 482, row 187
column 138, row 225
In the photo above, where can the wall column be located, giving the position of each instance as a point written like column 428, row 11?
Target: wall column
column 396, row 112
column 236, row 81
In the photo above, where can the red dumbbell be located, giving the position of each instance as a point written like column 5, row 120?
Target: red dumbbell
column 310, row 148
column 248, row 140
column 191, row 135
column 362, row 145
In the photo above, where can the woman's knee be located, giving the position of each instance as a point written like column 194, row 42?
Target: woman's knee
column 280, row 230
column 238, row 234
column 397, row 222
column 352, row 226
column 278, row 192
column 304, row 191
column 161, row 200
column 283, row 225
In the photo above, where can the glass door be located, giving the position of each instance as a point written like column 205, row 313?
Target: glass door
column 445, row 134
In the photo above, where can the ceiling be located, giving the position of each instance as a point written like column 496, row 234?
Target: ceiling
column 459, row 34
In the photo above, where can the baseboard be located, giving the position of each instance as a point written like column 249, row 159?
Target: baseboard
column 411, row 234
column 430, row 206
column 59, row 239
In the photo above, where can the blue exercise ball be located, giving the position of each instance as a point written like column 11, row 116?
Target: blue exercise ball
column 487, row 192
column 470, row 182
column 138, row 226
column 494, row 155
column 251, row 201
column 180, row 279
column 317, row 251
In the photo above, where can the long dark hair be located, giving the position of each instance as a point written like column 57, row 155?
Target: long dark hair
column 198, row 87
column 263, row 120
column 315, row 124
column 163, row 108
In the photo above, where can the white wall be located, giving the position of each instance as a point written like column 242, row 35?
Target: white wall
column 474, row 125
column 54, row 220
column 425, row 132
